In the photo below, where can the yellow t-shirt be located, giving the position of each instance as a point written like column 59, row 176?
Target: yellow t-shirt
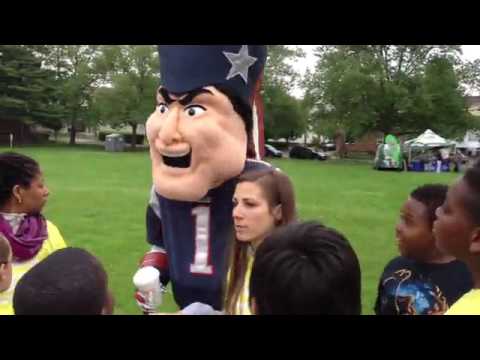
column 54, row 242
column 468, row 304
column 242, row 307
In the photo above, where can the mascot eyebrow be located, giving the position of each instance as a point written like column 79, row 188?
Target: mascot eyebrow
column 188, row 97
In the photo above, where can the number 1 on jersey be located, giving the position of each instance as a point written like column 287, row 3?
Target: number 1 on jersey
column 202, row 242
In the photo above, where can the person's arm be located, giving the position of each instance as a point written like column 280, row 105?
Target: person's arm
column 156, row 258
column 55, row 238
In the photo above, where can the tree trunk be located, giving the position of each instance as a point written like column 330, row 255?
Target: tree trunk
column 340, row 143
column 134, row 135
column 73, row 132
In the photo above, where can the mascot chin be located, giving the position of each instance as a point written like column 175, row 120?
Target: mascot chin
column 200, row 134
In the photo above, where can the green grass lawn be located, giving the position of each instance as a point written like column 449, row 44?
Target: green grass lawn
column 98, row 202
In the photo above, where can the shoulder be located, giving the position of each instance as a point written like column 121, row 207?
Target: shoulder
column 457, row 274
column 398, row 263
column 468, row 304
column 399, row 270
column 458, row 266
column 6, row 297
column 55, row 239
column 6, row 308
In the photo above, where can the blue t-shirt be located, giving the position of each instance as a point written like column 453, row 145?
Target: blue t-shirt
column 196, row 238
column 408, row 287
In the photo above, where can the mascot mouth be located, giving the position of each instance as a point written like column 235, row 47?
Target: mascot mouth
column 182, row 162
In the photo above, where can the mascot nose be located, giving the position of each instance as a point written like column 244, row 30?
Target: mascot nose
column 169, row 131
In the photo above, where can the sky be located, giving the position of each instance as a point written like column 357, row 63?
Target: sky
column 470, row 52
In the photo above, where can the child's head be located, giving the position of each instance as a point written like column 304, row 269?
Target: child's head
column 414, row 228
column 457, row 228
column 68, row 282
column 305, row 268
column 5, row 264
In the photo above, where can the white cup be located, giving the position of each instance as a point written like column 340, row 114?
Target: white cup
column 147, row 281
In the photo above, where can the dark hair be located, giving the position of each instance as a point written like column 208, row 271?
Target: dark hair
column 306, row 269
column 472, row 202
column 432, row 196
column 15, row 169
column 70, row 281
column 278, row 190
column 5, row 250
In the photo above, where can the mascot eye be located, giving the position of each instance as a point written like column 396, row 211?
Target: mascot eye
column 194, row 110
column 162, row 108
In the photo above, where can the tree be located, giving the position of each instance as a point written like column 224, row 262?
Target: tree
column 279, row 70
column 386, row 88
column 78, row 71
column 284, row 114
column 446, row 109
column 26, row 87
column 469, row 75
column 133, row 73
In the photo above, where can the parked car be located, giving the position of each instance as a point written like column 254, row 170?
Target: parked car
column 302, row 152
column 271, row 151
column 328, row 147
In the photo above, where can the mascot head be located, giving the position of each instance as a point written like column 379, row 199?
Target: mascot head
column 199, row 130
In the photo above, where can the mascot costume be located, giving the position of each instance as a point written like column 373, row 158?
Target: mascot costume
column 201, row 135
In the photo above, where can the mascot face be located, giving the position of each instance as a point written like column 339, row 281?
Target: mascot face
column 197, row 142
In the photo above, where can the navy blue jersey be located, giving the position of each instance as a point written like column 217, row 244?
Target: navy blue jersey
column 196, row 238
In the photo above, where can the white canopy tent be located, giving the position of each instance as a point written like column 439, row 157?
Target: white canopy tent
column 428, row 140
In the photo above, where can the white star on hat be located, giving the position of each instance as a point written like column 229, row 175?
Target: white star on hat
column 241, row 62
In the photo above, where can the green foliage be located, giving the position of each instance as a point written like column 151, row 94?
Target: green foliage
column 387, row 88
column 133, row 77
column 285, row 116
column 26, row 88
column 78, row 71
